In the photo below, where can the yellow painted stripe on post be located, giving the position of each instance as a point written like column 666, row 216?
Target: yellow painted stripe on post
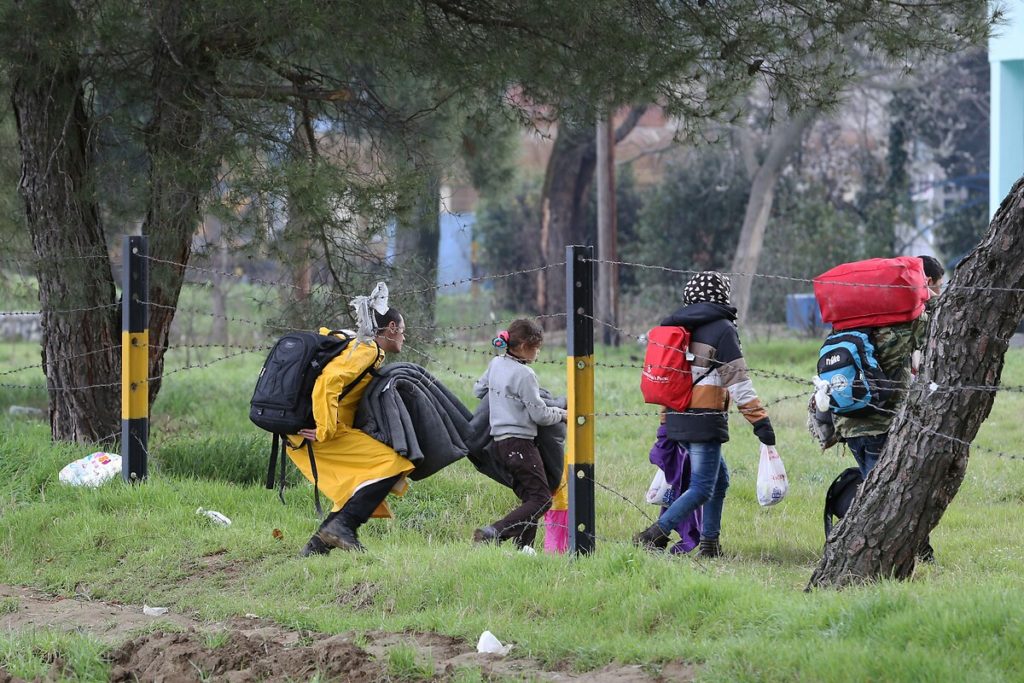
column 134, row 375
column 560, row 501
column 580, row 437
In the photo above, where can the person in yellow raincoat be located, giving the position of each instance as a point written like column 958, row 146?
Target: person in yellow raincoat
column 355, row 470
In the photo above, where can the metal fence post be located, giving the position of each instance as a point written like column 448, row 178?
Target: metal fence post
column 134, row 360
column 579, row 294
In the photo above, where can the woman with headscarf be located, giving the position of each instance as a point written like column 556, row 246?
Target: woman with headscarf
column 720, row 377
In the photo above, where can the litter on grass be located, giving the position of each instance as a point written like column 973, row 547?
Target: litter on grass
column 92, row 470
column 214, row 516
column 488, row 644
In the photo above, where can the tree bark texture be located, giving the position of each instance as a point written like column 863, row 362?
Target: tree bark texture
column 759, row 208
column 563, row 204
column 181, row 169
column 566, row 180
column 417, row 239
column 926, row 456
column 80, row 316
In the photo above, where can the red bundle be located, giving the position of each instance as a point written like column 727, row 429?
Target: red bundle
column 872, row 293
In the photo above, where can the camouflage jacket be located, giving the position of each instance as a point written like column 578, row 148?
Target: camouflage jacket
column 894, row 345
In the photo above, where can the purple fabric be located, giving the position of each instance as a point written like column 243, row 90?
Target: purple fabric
column 674, row 461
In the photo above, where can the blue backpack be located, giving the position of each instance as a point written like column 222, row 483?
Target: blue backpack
column 857, row 385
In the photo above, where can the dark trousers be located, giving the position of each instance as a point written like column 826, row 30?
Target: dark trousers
column 363, row 502
column 521, row 460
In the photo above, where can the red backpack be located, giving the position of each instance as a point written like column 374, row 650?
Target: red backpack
column 667, row 378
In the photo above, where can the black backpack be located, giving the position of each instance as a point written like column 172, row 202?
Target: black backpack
column 840, row 494
column 282, row 403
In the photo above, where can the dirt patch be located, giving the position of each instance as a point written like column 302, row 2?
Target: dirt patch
column 8, row 678
column 240, row 658
column 176, row 648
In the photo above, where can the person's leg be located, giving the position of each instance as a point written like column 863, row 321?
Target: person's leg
column 711, row 526
column 866, row 450
column 529, row 482
column 705, row 463
column 315, row 545
column 340, row 532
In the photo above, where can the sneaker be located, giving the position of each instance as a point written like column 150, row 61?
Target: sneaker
column 487, row 534
column 337, row 534
column 315, row 546
column 651, row 538
column 709, row 547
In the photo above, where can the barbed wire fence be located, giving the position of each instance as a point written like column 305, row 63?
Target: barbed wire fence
column 456, row 353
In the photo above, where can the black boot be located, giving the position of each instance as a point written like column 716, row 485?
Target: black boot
column 338, row 533
column 651, row 538
column 486, row 534
column 339, row 529
column 709, row 547
column 926, row 553
column 315, row 546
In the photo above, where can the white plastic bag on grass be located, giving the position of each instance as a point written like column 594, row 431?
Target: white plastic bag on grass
column 772, row 484
column 92, row 470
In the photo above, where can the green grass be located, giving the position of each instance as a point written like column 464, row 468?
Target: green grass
column 33, row 655
column 743, row 618
column 404, row 664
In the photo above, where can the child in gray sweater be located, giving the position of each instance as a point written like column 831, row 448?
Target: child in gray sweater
column 516, row 406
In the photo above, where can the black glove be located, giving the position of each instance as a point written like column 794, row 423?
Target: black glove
column 764, row 432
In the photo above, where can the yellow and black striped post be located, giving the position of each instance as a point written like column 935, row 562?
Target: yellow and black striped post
column 579, row 452
column 134, row 360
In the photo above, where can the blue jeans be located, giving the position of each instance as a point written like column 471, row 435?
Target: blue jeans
column 709, row 478
column 866, row 450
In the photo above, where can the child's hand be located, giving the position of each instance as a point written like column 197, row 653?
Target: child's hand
column 565, row 414
column 309, row 434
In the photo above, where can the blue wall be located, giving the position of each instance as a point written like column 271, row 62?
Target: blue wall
column 455, row 251
column 1006, row 59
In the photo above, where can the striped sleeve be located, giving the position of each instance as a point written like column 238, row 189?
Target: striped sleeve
column 736, row 379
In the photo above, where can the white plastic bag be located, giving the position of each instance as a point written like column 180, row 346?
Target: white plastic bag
column 659, row 492
column 772, row 484
column 92, row 470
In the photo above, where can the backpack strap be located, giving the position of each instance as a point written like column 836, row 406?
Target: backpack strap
column 273, row 462
column 281, row 474
column 316, row 479
column 279, row 443
column 370, row 370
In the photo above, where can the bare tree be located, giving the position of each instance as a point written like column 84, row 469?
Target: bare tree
column 566, row 181
column 764, row 178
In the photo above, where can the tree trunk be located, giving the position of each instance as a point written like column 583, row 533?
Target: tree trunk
column 417, row 238
column 81, row 330
column 759, row 209
column 607, row 236
column 926, row 455
column 220, row 287
column 181, row 171
column 563, row 211
column 295, row 303
column 566, row 180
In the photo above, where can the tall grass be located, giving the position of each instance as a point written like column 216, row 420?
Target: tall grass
column 744, row 617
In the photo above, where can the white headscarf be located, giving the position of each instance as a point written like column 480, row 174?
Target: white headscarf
column 365, row 306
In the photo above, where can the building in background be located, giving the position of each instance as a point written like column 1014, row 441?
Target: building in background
column 1006, row 58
